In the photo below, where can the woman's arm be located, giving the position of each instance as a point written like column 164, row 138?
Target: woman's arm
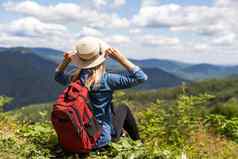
column 59, row 75
column 132, row 77
column 116, row 55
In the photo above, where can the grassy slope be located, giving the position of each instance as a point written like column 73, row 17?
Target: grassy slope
column 158, row 124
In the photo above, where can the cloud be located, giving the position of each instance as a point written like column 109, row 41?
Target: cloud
column 135, row 31
column 32, row 27
column 30, row 31
column 226, row 3
column 112, row 3
column 217, row 23
column 158, row 30
column 56, row 13
column 87, row 31
column 100, row 3
column 118, row 22
column 67, row 13
column 118, row 3
column 174, row 15
column 158, row 40
column 199, row 47
column 200, row 19
column 118, row 39
column 150, row 3
column 225, row 40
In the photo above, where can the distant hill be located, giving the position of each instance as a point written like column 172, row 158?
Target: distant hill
column 2, row 48
column 160, row 79
column 166, row 65
column 28, row 78
column 205, row 71
column 180, row 69
column 48, row 53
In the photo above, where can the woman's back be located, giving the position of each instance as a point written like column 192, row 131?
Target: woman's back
column 89, row 57
column 101, row 95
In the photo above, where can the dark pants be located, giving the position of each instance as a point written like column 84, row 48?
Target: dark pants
column 123, row 118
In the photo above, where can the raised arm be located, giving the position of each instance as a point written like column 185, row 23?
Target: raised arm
column 59, row 75
column 132, row 77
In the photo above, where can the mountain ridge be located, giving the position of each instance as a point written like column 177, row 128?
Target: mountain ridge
column 183, row 70
column 29, row 78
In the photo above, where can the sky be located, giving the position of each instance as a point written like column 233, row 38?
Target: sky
column 194, row 31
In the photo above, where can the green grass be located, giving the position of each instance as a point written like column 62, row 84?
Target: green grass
column 173, row 122
column 167, row 132
column 32, row 113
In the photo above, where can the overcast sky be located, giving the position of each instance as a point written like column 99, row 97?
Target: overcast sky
column 194, row 31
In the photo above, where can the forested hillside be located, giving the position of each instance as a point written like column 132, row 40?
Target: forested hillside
column 27, row 78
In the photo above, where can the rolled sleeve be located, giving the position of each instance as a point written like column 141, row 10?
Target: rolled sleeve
column 139, row 74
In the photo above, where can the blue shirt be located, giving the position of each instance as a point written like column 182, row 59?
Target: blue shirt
column 101, row 96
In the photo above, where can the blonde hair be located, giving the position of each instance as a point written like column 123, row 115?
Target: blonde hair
column 94, row 78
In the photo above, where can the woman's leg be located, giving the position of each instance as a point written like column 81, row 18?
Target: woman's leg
column 130, row 125
column 124, row 119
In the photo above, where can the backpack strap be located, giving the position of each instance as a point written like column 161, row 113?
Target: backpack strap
column 78, row 115
column 74, row 123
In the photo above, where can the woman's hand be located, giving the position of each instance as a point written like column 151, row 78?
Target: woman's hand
column 114, row 54
column 119, row 57
column 67, row 57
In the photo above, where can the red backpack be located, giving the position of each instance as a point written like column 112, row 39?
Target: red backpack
column 73, row 120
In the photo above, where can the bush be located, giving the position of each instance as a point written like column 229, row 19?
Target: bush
column 228, row 109
column 223, row 126
column 168, row 131
column 3, row 101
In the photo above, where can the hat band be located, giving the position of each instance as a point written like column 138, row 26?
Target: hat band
column 88, row 57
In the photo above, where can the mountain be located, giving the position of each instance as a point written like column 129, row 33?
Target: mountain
column 166, row 65
column 157, row 78
column 28, row 78
column 206, row 71
column 180, row 69
column 2, row 48
column 48, row 53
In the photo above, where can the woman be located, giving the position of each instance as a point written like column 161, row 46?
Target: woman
column 89, row 56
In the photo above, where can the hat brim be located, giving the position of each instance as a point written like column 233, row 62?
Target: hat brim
column 86, row 63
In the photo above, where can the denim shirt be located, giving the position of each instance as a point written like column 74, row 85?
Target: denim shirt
column 101, row 97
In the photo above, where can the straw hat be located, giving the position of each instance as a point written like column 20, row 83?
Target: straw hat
column 89, row 52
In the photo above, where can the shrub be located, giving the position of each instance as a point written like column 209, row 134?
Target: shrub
column 223, row 126
column 228, row 109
